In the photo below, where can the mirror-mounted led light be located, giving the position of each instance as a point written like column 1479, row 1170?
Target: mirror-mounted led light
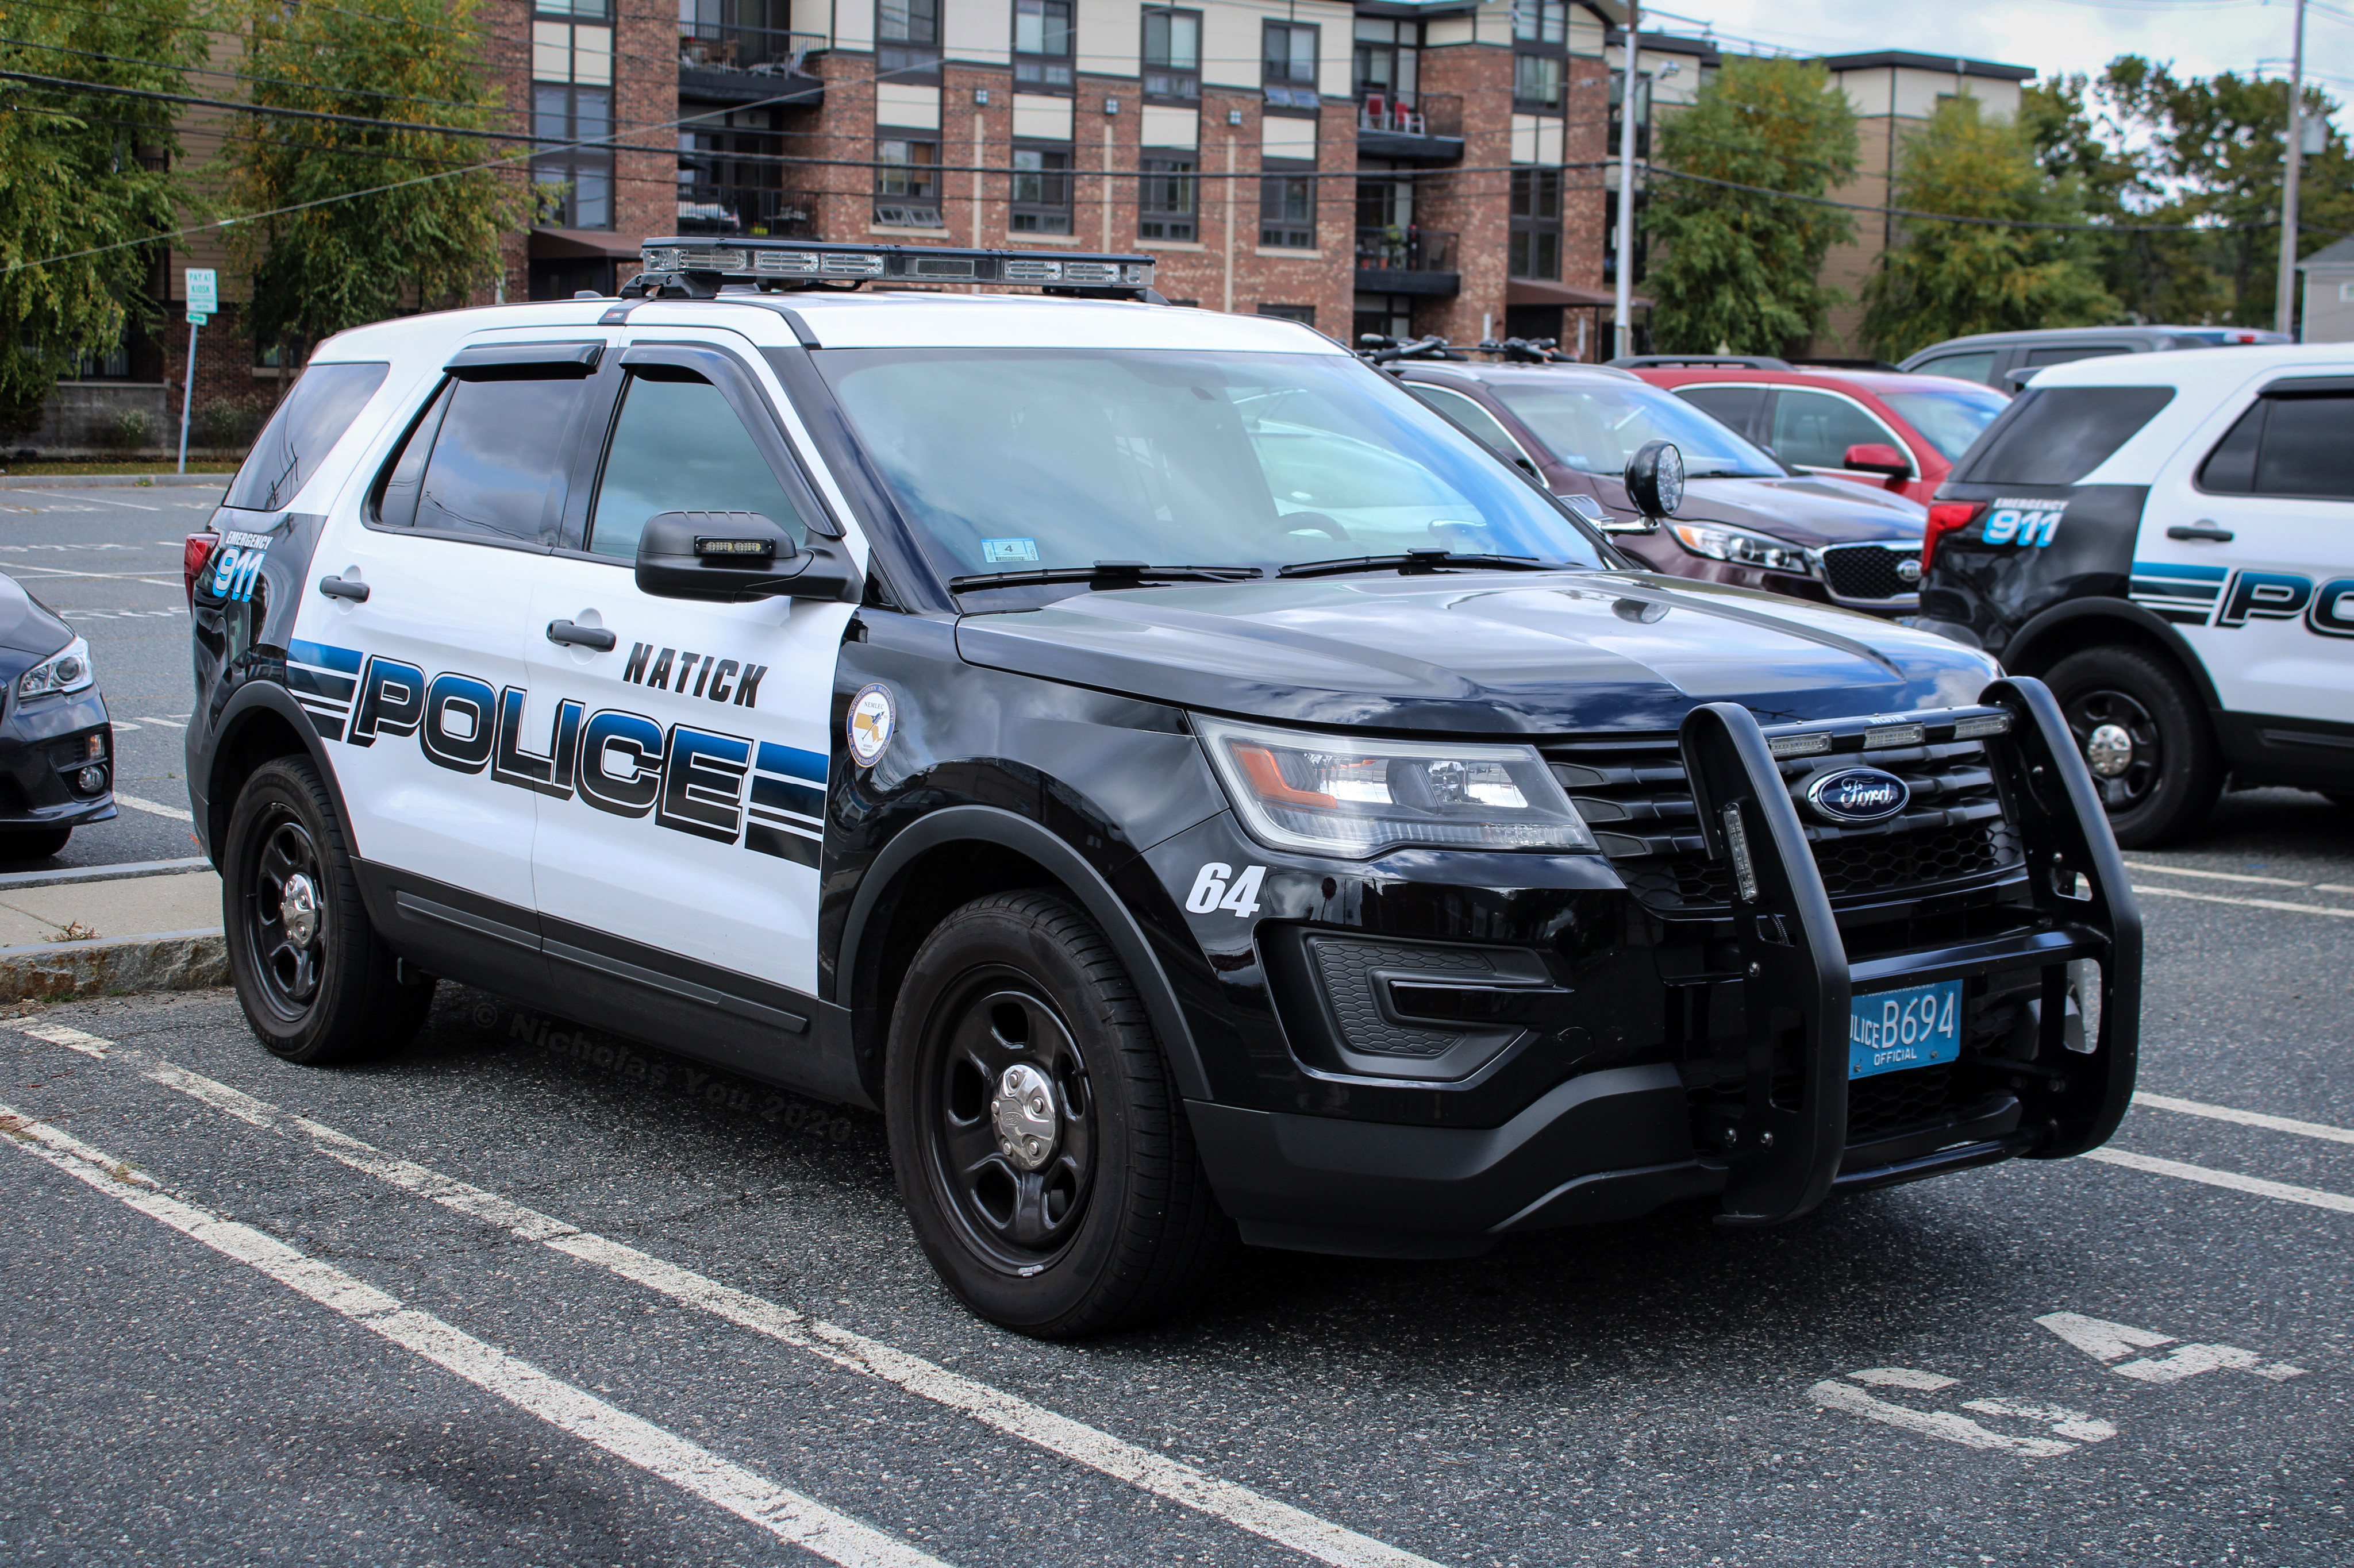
column 763, row 549
column 1982, row 724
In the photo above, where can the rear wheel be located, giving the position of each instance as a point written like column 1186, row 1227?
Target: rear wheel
column 1040, row 1150
column 316, row 983
column 2145, row 736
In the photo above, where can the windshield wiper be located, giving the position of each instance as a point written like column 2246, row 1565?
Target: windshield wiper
column 1103, row 574
column 1411, row 561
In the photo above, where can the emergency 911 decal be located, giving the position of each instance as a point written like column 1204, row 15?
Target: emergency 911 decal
column 712, row 785
column 2027, row 520
column 236, row 562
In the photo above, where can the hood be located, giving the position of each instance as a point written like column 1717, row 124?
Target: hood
column 1801, row 509
column 1463, row 653
column 27, row 625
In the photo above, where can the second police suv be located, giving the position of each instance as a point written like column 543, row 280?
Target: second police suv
column 1189, row 787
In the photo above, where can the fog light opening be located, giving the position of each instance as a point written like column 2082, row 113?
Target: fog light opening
column 90, row 780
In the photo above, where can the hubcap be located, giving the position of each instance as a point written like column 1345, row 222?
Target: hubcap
column 298, row 908
column 1024, row 1112
column 1012, row 1119
column 2109, row 750
column 284, row 923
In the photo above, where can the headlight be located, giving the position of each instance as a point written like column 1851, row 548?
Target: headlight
column 1740, row 546
column 1328, row 794
column 59, row 672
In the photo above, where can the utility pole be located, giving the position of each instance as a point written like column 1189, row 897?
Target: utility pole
column 2285, row 290
column 1626, row 301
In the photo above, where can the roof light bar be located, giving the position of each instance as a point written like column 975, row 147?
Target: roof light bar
column 806, row 262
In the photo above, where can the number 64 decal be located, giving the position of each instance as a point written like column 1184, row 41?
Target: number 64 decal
column 1212, row 892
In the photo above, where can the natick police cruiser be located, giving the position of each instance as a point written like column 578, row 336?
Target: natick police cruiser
column 1191, row 790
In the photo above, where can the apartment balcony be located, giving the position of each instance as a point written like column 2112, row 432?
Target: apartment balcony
column 719, row 64
column 1427, row 130
column 745, row 210
column 1409, row 260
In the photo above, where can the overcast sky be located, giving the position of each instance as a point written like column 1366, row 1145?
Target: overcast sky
column 2051, row 36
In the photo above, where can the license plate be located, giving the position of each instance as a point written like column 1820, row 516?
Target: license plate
column 1889, row 1030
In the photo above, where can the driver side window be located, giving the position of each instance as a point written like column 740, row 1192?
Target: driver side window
column 678, row 447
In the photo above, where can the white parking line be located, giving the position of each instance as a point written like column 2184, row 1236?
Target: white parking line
column 175, row 724
column 90, row 495
column 2312, row 1196
column 2213, row 875
column 178, row 813
column 784, row 1513
column 2246, row 1118
column 1263, row 1516
column 2247, row 902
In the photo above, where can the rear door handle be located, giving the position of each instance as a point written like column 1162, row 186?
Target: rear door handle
column 595, row 637
column 339, row 588
column 2217, row 536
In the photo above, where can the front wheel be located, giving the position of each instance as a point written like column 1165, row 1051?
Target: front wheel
column 2145, row 736
column 316, row 982
column 1040, row 1150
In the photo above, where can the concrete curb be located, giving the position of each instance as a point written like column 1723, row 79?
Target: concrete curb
column 112, row 481
column 161, row 961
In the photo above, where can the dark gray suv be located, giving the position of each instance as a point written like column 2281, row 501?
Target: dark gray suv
column 1998, row 357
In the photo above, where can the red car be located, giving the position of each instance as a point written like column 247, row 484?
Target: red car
column 1881, row 427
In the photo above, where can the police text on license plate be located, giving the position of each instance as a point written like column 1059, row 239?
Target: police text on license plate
column 1888, row 1030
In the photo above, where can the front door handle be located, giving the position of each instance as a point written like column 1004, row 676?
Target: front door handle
column 2205, row 531
column 343, row 587
column 595, row 637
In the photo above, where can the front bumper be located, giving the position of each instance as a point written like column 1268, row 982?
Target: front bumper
column 44, row 745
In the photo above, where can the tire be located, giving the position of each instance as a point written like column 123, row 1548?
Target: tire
column 1115, row 1225
column 38, row 843
column 334, row 994
column 2164, row 778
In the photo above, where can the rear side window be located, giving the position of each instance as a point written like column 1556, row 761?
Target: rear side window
column 1470, row 415
column 1814, row 430
column 1733, row 406
column 2064, row 354
column 1977, row 367
column 302, row 433
column 2057, row 435
column 2287, row 446
column 486, row 461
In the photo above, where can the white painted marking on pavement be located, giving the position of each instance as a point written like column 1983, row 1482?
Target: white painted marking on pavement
column 2247, row 902
column 1943, row 1424
column 175, row 724
column 1903, row 1377
column 89, row 495
column 177, row 813
column 2109, row 1343
column 2059, row 1417
column 72, row 1039
column 1100, row 1451
column 2213, row 875
column 2337, row 1202
column 784, row 1513
column 2246, row 1118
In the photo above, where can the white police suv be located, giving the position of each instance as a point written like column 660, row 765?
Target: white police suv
column 1189, row 787
column 2168, row 540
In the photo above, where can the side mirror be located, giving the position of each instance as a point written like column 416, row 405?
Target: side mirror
column 1655, row 481
column 733, row 556
column 1878, row 456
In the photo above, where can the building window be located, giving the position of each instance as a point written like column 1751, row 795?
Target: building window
column 1172, row 55
column 1287, row 205
column 1536, row 81
column 586, row 10
column 907, row 182
column 1166, row 197
column 1042, row 190
column 1386, row 58
column 1304, row 315
column 1289, row 66
column 1534, row 246
column 908, row 40
column 1541, row 21
column 572, row 186
column 731, row 178
column 1381, row 315
column 1042, row 43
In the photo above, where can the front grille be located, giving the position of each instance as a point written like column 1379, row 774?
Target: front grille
column 1892, row 1102
column 1634, row 796
column 1869, row 571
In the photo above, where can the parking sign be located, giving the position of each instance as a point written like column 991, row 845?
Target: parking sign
column 204, row 291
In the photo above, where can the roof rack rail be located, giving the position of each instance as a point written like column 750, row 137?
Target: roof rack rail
column 1700, row 362
column 697, row 267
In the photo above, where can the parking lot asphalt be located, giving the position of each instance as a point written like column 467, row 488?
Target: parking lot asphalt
column 530, row 1294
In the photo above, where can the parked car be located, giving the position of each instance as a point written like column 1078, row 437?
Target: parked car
column 1880, row 427
column 1747, row 519
column 2168, row 542
column 1992, row 357
column 56, row 747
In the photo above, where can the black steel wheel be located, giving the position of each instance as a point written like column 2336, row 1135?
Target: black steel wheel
column 2144, row 735
column 1040, row 1150
column 316, row 982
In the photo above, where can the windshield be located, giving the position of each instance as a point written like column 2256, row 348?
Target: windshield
column 1596, row 426
column 1020, row 460
column 1950, row 418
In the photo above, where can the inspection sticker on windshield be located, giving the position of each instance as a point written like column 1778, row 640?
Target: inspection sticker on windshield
column 994, row 550
column 1889, row 1030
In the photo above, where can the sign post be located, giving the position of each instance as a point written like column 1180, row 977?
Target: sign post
column 204, row 299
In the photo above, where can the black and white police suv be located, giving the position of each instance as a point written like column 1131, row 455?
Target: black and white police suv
column 1189, row 787
column 2168, row 540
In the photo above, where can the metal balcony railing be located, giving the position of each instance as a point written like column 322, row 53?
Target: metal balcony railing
column 758, row 51
column 747, row 210
column 1410, row 249
column 1430, row 114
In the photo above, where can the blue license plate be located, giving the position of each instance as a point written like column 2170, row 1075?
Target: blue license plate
column 1889, row 1030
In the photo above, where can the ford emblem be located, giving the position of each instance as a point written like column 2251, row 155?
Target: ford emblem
column 1854, row 795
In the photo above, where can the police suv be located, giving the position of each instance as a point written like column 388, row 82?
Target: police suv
column 1189, row 787
column 2167, row 539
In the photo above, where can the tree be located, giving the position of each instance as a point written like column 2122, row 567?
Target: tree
column 84, row 176
column 365, row 250
column 1736, row 269
column 1945, row 278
